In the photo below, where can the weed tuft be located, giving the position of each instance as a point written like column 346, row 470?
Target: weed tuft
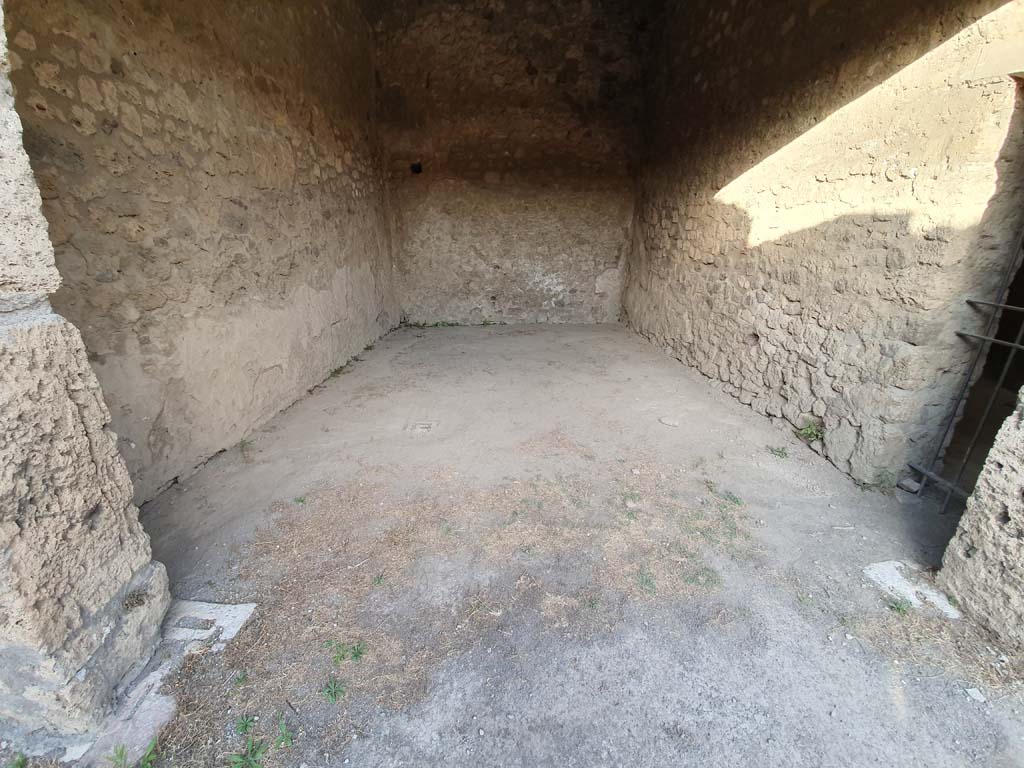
column 119, row 757
column 811, row 432
column 884, row 482
column 702, row 576
column 343, row 652
column 244, row 724
column 630, row 503
column 645, row 580
column 732, row 498
column 149, row 757
column 900, row 606
column 334, row 690
column 251, row 757
column 285, row 738
column 778, row 452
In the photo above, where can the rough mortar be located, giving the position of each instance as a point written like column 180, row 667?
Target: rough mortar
column 984, row 564
column 215, row 197
column 80, row 599
column 814, row 212
column 521, row 119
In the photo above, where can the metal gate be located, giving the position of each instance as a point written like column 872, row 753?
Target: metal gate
column 982, row 342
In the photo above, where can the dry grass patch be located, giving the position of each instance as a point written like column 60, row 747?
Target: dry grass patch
column 415, row 579
column 961, row 649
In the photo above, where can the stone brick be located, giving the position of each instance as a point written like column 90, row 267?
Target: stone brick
column 217, row 208
column 984, row 564
column 71, row 546
column 864, row 233
column 26, row 256
column 72, row 550
column 523, row 207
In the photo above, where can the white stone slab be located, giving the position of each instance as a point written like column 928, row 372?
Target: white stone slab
column 897, row 579
column 144, row 711
column 193, row 622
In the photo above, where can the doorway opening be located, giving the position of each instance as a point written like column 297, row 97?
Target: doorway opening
column 990, row 400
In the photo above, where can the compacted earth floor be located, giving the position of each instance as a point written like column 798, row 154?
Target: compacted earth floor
column 557, row 546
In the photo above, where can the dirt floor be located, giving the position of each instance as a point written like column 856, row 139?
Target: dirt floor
column 544, row 545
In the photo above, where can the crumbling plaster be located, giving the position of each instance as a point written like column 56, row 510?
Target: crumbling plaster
column 984, row 564
column 80, row 599
column 812, row 216
column 215, row 195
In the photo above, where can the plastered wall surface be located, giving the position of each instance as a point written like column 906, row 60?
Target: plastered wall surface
column 984, row 564
column 812, row 216
column 214, row 193
column 522, row 118
column 511, row 250
column 80, row 599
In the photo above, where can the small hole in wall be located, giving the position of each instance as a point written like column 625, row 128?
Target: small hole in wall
column 1003, row 518
column 416, row 168
column 135, row 598
column 752, row 339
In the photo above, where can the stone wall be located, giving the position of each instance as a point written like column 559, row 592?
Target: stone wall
column 513, row 250
column 80, row 599
column 215, row 195
column 984, row 564
column 520, row 119
column 826, row 184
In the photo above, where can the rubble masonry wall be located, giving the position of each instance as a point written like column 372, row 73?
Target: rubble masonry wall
column 826, row 184
column 215, row 196
column 80, row 599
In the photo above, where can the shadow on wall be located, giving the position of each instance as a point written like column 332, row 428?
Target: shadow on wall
column 791, row 65
column 818, row 265
column 847, row 327
column 1001, row 230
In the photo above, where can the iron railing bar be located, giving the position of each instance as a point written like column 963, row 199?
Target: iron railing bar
column 988, row 409
column 1004, row 290
column 1012, row 345
column 952, row 418
column 976, row 302
column 939, row 479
